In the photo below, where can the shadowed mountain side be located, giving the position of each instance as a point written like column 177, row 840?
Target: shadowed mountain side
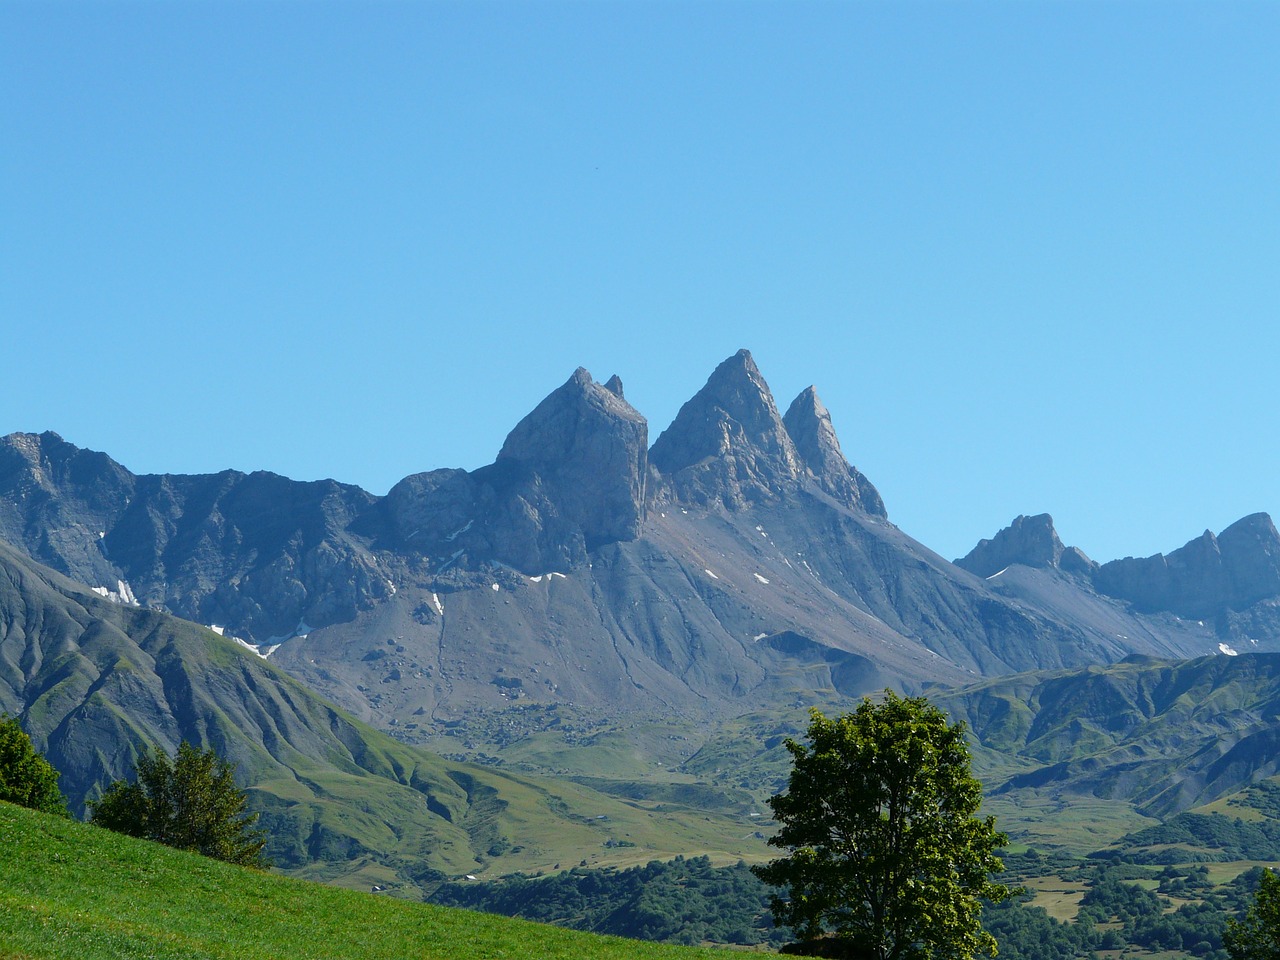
column 1168, row 736
column 94, row 683
column 1223, row 588
column 675, row 625
column 1207, row 577
column 257, row 551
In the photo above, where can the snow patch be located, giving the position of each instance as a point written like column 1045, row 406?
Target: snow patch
column 1227, row 650
column 392, row 587
column 759, row 636
column 760, row 578
column 710, row 574
column 261, row 650
column 997, row 573
column 496, row 588
column 122, row 594
column 435, row 598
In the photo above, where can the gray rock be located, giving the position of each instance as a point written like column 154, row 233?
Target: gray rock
column 1029, row 541
column 1206, row 577
column 728, row 443
column 808, row 424
column 589, row 447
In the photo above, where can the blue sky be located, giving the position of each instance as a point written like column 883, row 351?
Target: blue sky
column 1028, row 253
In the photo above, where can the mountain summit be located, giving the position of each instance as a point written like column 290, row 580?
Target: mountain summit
column 590, row 449
column 1030, row 541
column 728, row 443
column 808, row 424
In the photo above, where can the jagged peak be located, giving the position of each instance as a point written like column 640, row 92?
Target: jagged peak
column 728, row 442
column 1255, row 524
column 1031, row 541
column 550, row 431
column 614, row 386
column 590, row 449
column 808, row 423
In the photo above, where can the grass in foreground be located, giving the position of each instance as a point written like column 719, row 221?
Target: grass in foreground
column 71, row 890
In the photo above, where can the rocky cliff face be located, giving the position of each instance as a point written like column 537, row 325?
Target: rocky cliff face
column 728, row 444
column 257, row 551
column 808, row 423
column 591, row 450
column 1207, row 577
column 1030, row 541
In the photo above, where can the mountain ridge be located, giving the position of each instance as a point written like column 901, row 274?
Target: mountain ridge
column 739, row 560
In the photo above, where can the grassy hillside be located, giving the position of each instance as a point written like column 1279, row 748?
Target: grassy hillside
column 95, row 682
column 71, row 890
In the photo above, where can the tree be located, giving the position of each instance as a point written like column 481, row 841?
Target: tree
column 26, row 777
column 191, row 803
column 887, row 860
column 1257, row 936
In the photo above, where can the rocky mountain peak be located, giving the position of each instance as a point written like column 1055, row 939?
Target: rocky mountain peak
column 808, row 423
column 614, row 386
column 1205, row 577
column 589, row 448
column 1029, row 541
column 728, row 443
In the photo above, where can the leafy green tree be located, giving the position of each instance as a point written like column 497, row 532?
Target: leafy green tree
column 26, row 777
column 190, row 802
column 1257, row 936
column 887, row 858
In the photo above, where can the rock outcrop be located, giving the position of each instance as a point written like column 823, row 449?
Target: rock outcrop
column 728, row 443
column 589, row 447
column 257, row 550
column 1206, row 577
column 808, row 423
column 1029, row 541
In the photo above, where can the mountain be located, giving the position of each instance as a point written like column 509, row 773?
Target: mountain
column 1162, row 736
column 1231, row 581
column 95, row 682
column 586, row 579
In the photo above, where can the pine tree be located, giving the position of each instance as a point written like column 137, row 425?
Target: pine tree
column 190, row 802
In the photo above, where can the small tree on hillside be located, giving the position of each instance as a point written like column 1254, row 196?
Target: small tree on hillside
column 26, row 777
column 191, row 803
column 887, row 858
column 1257, row 936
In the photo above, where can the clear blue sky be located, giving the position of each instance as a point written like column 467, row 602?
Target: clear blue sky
column 1029, row 253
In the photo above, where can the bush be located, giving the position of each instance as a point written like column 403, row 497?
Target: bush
column 26, row 777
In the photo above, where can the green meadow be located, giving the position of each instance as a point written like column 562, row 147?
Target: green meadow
column 69, row 890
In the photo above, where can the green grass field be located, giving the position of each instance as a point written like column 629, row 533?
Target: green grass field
column 68, row 890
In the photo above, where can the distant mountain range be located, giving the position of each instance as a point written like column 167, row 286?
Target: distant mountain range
column 584, row 580
column 739, row 559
